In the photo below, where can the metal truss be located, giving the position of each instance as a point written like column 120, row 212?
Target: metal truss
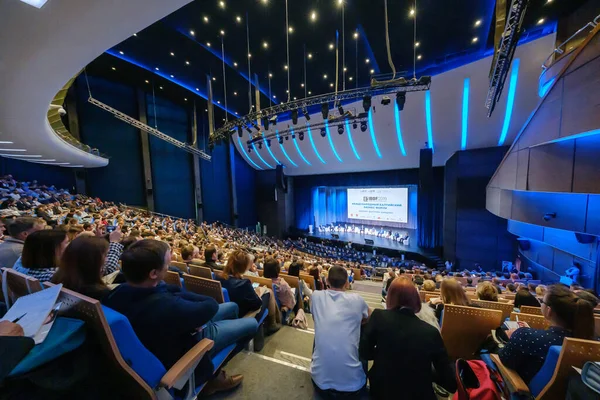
column 154, row 132
column 376, row 88
column 506, row 51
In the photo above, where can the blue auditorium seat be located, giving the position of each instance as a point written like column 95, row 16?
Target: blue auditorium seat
column 225, row 295
column 541, row 379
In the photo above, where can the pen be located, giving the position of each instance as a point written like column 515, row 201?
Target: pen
column 17, row 319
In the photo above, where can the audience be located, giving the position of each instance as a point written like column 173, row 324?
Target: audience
column 18, row 230
column 294, row 270
column 211, row 257
column 429, row 285
column 451, row 292
column 486, row 291
column 41, row 252
column 404, row 349
column 569, row 316
column 336, row 368
column 284, row 293
column 525, row 298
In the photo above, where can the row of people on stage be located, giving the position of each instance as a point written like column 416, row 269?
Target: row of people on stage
column 369, row 231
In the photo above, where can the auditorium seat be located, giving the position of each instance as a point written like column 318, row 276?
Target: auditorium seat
column 206, row 287
column 531, row 310
column 202, row 272
column 550, row 383
column 183, row 267
column 493, row 305
column 534, row 321
column 172, row 278
column 16, row 284
column 309, row 280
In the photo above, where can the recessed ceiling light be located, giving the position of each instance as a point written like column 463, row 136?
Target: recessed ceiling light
column 218, row 102
column 350, row 78
column 192, row 33
column 135, row 34
column 475, row 39
column 238, row 19
column 172, row 54
column 549, row 1
column 249, row 55
column 187, row 63
column 235, row 64
column 313, row 16
column 208, row 44
column 324, row 76
column 302, row 85
column 417, row 44
column 147, row 81
column 367, row 60
column 265, row 45
column 295, row 98
column 372, row 71
column 265, row 1
column 157, row 69
column 285, row 67
column 355, row 36
column 214, row 79
column 13, row 149
column 340, row 2
column 222, row 32
column 172, row 76
column 236, row 113
column 222, row 4
column 205, row 18
column 331, row 46
column 270, row 75
column 274, row 96
column 419, row 57
column 197, row 90
column 113, row 68
column 309, row 55
column 331, row 84
column 287, row 91
column 309, row 92
column 121, row 53
column 160, row 87
column 185, row 99
column 412, row 12
column 540, row 21
column 235, row 93
column 291, row 29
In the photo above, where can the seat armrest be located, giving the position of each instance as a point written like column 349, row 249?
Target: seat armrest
column 512, row 379
column 179, row 373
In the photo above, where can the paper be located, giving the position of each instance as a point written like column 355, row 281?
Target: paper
column 33, row 309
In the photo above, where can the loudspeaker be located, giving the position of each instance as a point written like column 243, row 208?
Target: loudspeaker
column 335, row 236
column 585, row 238
column 280, row 178
column 369, row 241
column 524, row 244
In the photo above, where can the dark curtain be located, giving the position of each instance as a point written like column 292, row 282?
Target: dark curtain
column 61, row 177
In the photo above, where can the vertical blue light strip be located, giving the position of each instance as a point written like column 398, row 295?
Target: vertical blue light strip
column 428, row 120
column 399, row 130
column 510, row 100
column 373, row 139
column 298, row 148
column 270, row 152
column 331, row 141
column 312, row 142
column 283, row 150
column 246, row 155
column 465, row 114
column 259, row 156
column 350, row 140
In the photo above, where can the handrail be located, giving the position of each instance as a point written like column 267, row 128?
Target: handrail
column 560, row 48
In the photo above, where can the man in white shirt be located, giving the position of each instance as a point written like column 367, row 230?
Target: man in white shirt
column 338, row 315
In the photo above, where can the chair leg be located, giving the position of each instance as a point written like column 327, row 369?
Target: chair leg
column 259, row 338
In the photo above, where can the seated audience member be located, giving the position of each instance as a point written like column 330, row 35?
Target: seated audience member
column 496, row 284
column 211, row 258
column 525, row 298
column 335, row 367
column 396, row 334
column 511, row 288
column 284, row 292
column 41, row 253
column 531, row 287
column 190, row 254
column 569, row 316
column 451, row 292
column 429, row 286
column 294, row 270
column 418, row 279
column 240, row 290
column 438, row 280
column 18, row 230
column 540, row 290
column 486, row 291
column 470, row 282
column 314, row 272
column 588, row 296
column 81, row 267
column 170, row 322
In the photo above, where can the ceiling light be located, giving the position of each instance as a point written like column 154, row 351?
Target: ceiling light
column 160, row 87
column 412, row 12
column 270, row 75
column 249, row 55
column 345, row 69
column 5, row 142
column 331, row 46
column 157, row 69
column 147, row 81
column 185, row 98
column 187, row 63
column 172, row 76
column 35, row 3
column 235, row 64
column 419, row 57
column 208, row 44
column 197, row 90
column 417, row 44
column 236, row 113
column 355, row 35
column 367, row 61
column 192, row 33
column 214, row 79
column 372, row 71
column 274, row 96
column 265, row 45
column 340, row 2
column 291, row 29
column 313, row 16
column 285, row 67
column 302, row 85
column 309, row 92
column 324, row 76
column 287, row 91
column 218, row 101
column 540, row 21
column 549, row 1
column 350, row 78
column 222, row 32
column 13, row 149
column 331, row 84
column 238, row 19
column 295, row 98
column 172, row 54
column 113, row 68
column 235, row 93
column 477, row 23
column 265, row 1
column 475, row 39
column 135, row 34
column 309, row 55
column 222, row 4
column 121, row 53
column 205, row 18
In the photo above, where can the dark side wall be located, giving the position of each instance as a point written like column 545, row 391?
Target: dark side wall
column 471, row 233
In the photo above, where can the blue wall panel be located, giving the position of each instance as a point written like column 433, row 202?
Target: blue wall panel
column 122, row 180
column 216, row 191
column 245, row 184
column 172, row 168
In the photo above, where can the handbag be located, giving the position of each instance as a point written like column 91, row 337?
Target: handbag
column 477, row 381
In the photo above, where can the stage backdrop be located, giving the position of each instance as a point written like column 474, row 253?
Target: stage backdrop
column 330, row 206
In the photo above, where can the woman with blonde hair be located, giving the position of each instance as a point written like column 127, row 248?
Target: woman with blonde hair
column 486, row 291
column 451, row 292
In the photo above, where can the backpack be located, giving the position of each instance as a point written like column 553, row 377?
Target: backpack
column 477, row 381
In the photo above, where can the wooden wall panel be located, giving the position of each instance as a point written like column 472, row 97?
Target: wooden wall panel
column 551, row 167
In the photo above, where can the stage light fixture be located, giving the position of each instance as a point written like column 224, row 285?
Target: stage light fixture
column 340, row 109
column 249, row 149
column 400, row 100
column 293, row 135
column 424, row 80
column 306, row 114
column 280, row 140
column 260, row 145
column 287, row 138
column 367, row 103
column 325, row 110
column 269, row 142
column 240, row 132
column 323, row 132
column 301, row 135
column 340, row 129
column 385, row 100
column 295, row 116
column 354, row 125
column 363, row 126
column 249, row 130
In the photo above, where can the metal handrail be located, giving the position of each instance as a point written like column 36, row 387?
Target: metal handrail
column 560, row 48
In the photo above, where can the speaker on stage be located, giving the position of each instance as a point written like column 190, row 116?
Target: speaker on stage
column 335, row 236
column 369, row 241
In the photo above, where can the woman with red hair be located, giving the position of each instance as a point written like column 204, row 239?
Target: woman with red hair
column 403, row 349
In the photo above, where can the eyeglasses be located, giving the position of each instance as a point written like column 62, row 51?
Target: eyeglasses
column 543, row 302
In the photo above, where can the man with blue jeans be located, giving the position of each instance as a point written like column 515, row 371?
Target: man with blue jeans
column 169, row 321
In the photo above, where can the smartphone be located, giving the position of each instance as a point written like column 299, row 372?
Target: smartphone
column 110, row 228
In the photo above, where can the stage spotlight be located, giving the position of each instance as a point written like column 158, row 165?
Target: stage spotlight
column 260, row 145
column 295, row 116
column 354, row 125
column 256, row 127
column 323, row 132
column 280, row 140
column 293, row 136
column 306, row 114
column 385, row 100
column 424, row 80
column 367, row 103
column 269, row 142
column 249, row 149
column 363, row 126
column 240, row 131
column 301, row 136
column 400, row 100
column 340, row 109
column 340, row 129
column 249, row 130
column 325, row 110
column 287, row 138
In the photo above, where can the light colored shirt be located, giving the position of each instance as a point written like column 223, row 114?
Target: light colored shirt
column 338, row 316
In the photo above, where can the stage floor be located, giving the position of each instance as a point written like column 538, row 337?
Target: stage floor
column 359, row 238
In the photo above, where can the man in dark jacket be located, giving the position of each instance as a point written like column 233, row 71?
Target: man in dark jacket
column 170, row 322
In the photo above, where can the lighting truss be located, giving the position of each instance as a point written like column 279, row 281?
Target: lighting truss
column 376, row 88
column 154, row 132
column 506, row 51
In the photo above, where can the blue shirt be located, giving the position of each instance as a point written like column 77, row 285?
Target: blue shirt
column 527, row 348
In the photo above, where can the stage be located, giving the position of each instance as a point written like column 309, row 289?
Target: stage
column 378, row 242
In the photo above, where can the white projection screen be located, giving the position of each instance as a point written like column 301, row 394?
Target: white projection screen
column 378, row 204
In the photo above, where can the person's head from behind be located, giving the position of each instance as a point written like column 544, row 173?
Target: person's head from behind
column 314, row 272
column 486, row 291
column 531, row 287
column 187, row 253
column 564, row 308
column 43, row 249
column 418, row 280
column 81, row 263
column 271, row 268
column 439, row 278
column 20, row 228
column 337, row 277
column 403, row 294
column 585, row 295
column 429, row 285
column 295, row 268
column 514, row 276
column 540, row 290
column 511, row 288
column 237, row 264
column 73, row 231
column 145, row 262
column 452, row 292
column 210, row 253
column 469, row 281
column 88, row 227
